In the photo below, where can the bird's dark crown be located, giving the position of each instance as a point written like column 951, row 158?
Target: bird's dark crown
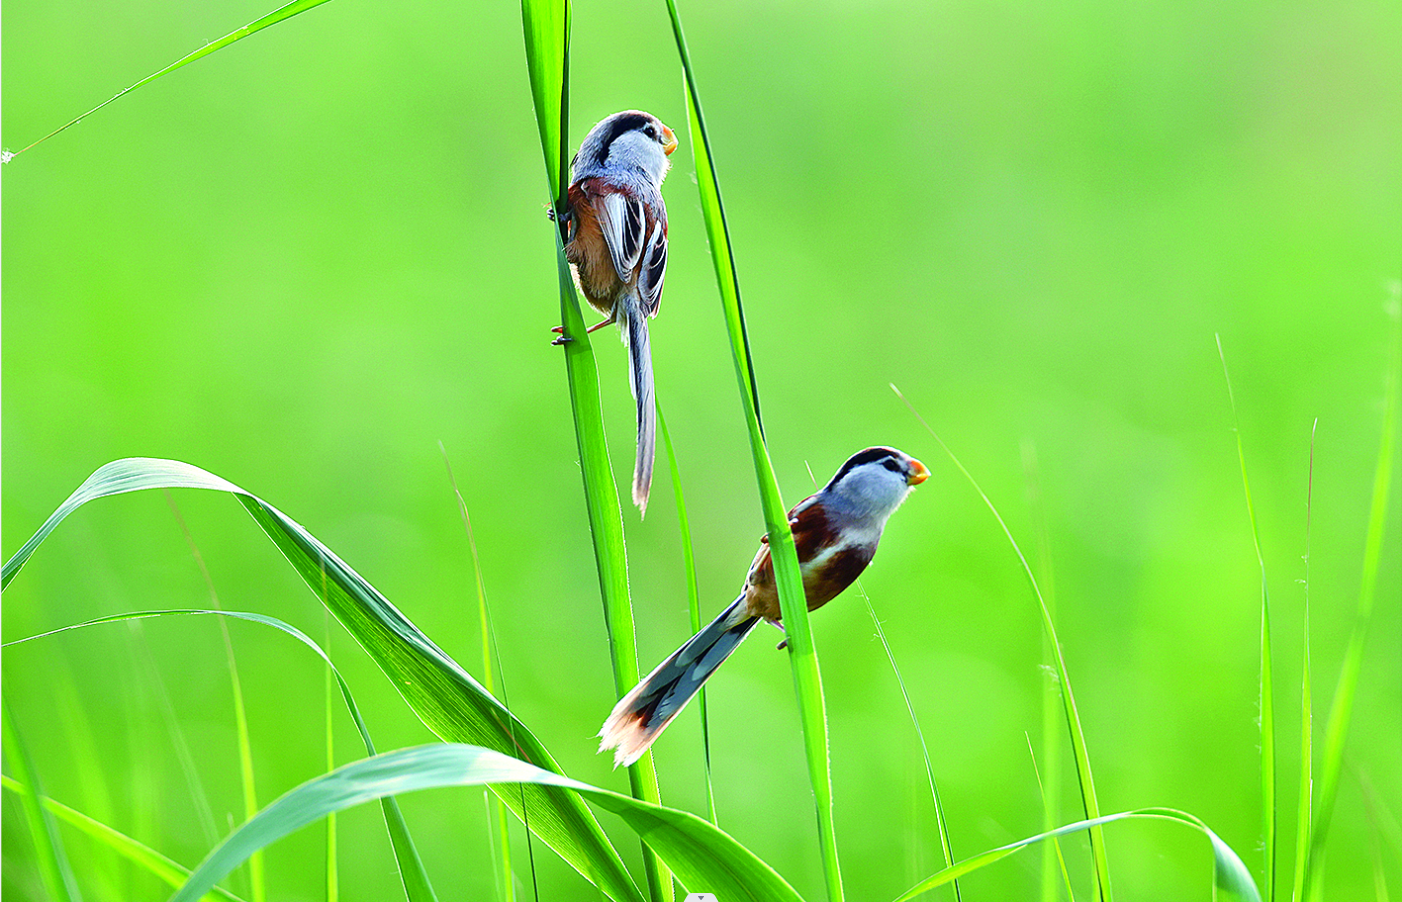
column 870, row 455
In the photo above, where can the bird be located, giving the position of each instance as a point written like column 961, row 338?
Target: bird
column 836, row 531
column 615, row 233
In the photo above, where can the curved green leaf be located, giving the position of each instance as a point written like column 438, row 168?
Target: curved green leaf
column 1230, row 874
column 448, row 700
column 703, row 857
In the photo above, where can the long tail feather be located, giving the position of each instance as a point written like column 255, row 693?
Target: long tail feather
column 633, row 327
column 641, row 715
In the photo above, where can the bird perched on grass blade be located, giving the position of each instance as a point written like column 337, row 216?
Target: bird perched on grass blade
column 616, row 241
column 836, row 532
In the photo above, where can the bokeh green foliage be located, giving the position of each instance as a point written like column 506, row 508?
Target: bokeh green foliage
column 304, row 261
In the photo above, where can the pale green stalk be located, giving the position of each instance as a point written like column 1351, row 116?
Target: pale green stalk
column 54, row 869
column 333, row 878
column 499, row 832
column 144, row 857
column 1341, row 711
column 1073, row 718
column 250, row 792
column 693, row 600
column 415, row 880
column 1053, row 862
column 1303, row 813
column 1267, row 697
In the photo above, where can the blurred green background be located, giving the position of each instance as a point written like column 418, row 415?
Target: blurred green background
column 305, row 261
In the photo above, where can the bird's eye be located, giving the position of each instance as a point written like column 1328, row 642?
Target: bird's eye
column 650, row 131
column 891, row 465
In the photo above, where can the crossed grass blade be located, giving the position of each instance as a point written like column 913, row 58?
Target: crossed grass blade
column 803, row 658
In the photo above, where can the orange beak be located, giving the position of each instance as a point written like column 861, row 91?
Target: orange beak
column 918, row 473
column 670, row 144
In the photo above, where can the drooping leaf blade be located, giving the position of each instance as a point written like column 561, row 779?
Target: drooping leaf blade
column 1230, row 874
column 702, row 856
column 443, row 695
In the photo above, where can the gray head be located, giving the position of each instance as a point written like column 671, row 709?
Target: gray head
column 626, row 143
column 873, row 483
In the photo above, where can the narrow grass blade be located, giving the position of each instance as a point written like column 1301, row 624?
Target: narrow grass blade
column 141, row 855
column 280, row 14
column 546, row 24
column 333, row 879
column 1230, row 875
column 448, row 700
column 1341, row 711
column 1267, row 695
column 499, row 828
column 701, row 855
column 1053, row 862
column 413, row 876
column 803, row 657
column 941, row 824
column 693, row 599
column 1073, row 719
column 54, row 869
column 1305, row 809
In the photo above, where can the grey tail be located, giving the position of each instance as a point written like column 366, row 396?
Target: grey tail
column 633, row 327
column 641, row 715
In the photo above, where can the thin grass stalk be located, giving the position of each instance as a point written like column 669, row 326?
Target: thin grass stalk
column 1267, row 695
column 195, row 785
column 1081, row 754
column 333, row 879
column 280, row 14
column 499, row 828
column 412, row 874
column 1053, row 861
column 1058, row 856
column 693, row 598
column 547, row 32
column 256, row 877
column 1303, row 810
column 54, row 869
column 941, row 823
column 103, row 875
column 144, row 857
column 803, row 658
column 1341, row 711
